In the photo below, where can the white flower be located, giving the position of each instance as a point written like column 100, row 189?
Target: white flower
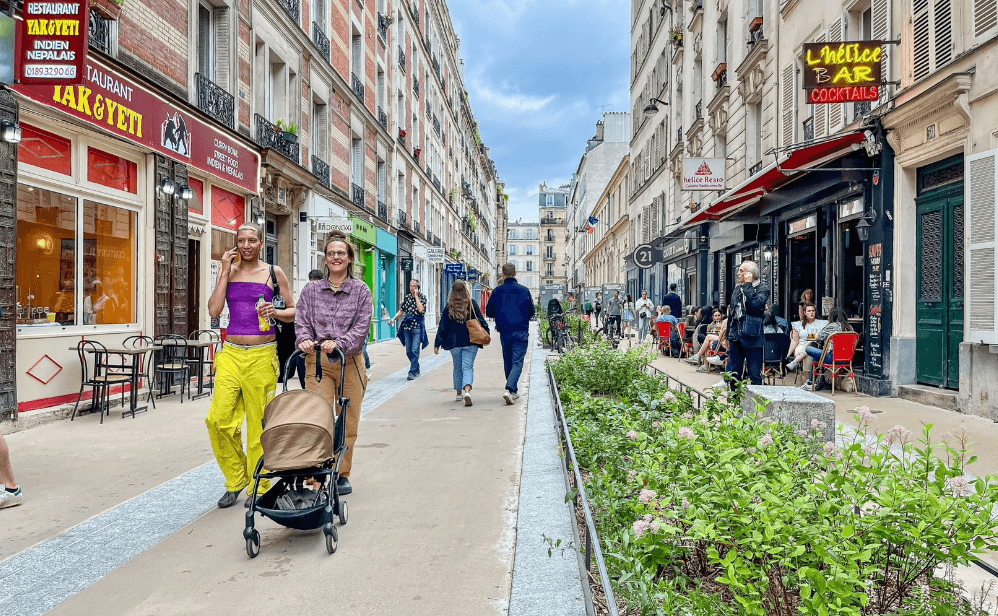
column 766, row 441
column 646, row 496
column 687, row 433
column 960, row 486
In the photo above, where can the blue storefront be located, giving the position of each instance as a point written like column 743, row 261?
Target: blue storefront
column 385, row 300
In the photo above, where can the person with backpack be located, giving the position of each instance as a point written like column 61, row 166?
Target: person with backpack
column 453, row 335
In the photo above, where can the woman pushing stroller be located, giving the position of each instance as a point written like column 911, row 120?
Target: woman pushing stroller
column 335, row 313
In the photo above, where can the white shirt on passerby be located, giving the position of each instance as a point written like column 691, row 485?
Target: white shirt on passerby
column 644, row 305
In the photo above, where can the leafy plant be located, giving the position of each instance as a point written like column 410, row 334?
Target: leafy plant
column 287, row 127
column 676, row 34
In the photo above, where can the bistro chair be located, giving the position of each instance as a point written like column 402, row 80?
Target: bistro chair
column 212, row 336
column 774, row 351
column 146, row 363
column 836, row 357
column 664, row 336
column 96, row 375
column 171, row 362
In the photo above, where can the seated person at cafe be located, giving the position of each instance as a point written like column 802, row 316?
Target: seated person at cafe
column 773, row 323
column 804, row 334
column 837, row 322
column 666, row 317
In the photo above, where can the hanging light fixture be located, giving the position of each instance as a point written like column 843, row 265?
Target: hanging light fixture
column 10, row 132
column 167, row 186
column 186, row 192
column 863, row 226
column 651, row 109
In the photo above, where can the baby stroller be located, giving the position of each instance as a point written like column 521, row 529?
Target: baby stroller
column 302, row 438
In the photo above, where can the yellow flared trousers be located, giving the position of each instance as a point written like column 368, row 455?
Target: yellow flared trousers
column 245, row 382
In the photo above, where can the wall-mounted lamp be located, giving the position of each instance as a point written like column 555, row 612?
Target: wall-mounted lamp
column 167, row 187
column 871, row 144
column 186, row 192
column 651, row 109
column 863, row 227
column 767, row 253
column 10, row 132
column 260, row 220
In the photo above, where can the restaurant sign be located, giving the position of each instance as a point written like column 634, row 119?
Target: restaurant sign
column 54, row 36
column 842, row 72
column 703, row 174
column 121, row 107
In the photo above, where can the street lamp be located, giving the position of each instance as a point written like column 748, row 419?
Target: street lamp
column 767, row 253
column 863, row 227
column 651, row 109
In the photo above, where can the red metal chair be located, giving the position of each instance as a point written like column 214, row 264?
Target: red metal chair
column 686, row 348
column 664, row 336
column 836, row 357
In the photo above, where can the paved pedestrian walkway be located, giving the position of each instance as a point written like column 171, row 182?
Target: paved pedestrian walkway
column 119, row 518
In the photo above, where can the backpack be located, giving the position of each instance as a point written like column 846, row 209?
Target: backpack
column 588, row 306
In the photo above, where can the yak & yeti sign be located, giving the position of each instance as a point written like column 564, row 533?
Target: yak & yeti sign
column 115, row 104
column 53, row 41
column 842, row 72
column 703, row 174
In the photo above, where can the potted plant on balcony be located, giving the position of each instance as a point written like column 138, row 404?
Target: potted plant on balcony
column 401, row 133
column 288, row 130
column 108, row 9
column 676, row 35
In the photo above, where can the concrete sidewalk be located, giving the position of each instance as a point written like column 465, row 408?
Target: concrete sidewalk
column 433, row 520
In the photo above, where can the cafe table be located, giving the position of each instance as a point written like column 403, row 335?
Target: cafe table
column 200, row 348
column 136, row 355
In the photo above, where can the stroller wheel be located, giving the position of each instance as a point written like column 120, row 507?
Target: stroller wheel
column 344, row 512
column 332, row 539
column 253, row 544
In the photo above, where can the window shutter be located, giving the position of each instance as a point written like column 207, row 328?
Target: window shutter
column 355, row 67
column 382, row 182
column 787, row 94
column 985, row 16
column 321, row 127
column 836, row 112
column 981, row 264
column 942, row 29
column 920, row 18
column 880, row 12
column 358, row 163
column 223, row 47
column 820, row 111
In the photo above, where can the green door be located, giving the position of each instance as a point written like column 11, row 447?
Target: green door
column 939, row 313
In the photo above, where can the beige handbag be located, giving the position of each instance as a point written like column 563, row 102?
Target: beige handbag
column 477, row 333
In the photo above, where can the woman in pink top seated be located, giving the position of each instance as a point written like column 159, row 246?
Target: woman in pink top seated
column 246, row 367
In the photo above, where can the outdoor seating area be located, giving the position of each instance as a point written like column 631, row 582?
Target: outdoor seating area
column 162, row 364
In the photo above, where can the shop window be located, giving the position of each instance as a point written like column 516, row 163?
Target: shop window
column 220, row 242
column 109, row 251
column 112, row 171
column 196, row 205
column 45, row 150
column 228, row 210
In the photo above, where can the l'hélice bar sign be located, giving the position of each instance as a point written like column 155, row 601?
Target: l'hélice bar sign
column 53, row 40
column 118, row 105
column 842, row 72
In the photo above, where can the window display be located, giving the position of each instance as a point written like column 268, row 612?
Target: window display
column 109, row 253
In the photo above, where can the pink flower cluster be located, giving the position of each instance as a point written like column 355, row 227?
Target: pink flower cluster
column 960, row 486
column 687, row 415
column 865, row 415
column 632, row 435
column 766, row 441
column 898, row 434
column 687, row 433
column 646, row 496
column 644, row 525
column 669, row 397
column 829, row 449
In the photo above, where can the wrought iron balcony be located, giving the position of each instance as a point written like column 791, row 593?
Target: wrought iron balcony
column 560, row 222
column 755, row 36
column 357, row 85
column 698, row 110
column 382, row 118
column 415, row 153
column 415, row 14
column 321, row 41
column 403, row 219
column 809, row 129
column 100, row 32
column 429, row 112
column 382, row 211
column 292, row 8
column 429, row 235
column 415, row 86
column 320, row 169
column 402, row 137
column 268, row 135
column 214, row 101
column 357, row 195
column 436, row 125
column 861, row 109
column 415, row 226
column 722, row 79
column 383, row 26
column 679, row 135
column 436, row 65
column 401, row 59
column 436, row 240
column 436, row 184
column 754, row 169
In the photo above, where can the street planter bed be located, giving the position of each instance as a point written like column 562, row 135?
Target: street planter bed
column 701, row 509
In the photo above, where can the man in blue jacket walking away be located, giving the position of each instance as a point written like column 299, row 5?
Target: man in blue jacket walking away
column 512, row 307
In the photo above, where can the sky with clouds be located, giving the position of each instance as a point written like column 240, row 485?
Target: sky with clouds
column 539, row 74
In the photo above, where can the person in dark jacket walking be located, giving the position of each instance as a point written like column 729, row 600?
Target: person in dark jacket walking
column 672, row 300
column 745, row 315
column 453, row 336
column 512, row 308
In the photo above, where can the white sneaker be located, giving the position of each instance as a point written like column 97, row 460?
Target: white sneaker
column 460, row 397
column 792, row 365
column 714, row 360
column 508, row 396
column 10, row 499
column 467, row 398
column 719, row 385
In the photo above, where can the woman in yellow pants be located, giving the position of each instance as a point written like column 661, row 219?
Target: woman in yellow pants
column 246, row 367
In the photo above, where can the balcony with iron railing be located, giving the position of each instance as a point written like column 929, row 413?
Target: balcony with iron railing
column 415, row 14
column 357, row 85
column 321, row 41
column 100, row 32
column 292, row 8
column 383, row 26
column 861, row 108
column 698, row 110
column 755, row 36
column 401, row 59
column 215, row 102
column 382, row 210
column 436, row 65
column 382, row 118
column 436, row 125
column 429, row 111
column 402, row 136
column 415, row 86
column 809, row 129
column 436, row 240
column 320, row 169
column 722, row 79
column 403, row 219
column 357, row 195
column 547, row 221
column 754, row 169
column 268, row 135
column 415, row 226
column 679, row 135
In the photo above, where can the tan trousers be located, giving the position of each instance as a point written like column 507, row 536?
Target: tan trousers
column 354, row 389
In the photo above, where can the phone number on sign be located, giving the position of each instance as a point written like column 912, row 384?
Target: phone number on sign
column 53, row 71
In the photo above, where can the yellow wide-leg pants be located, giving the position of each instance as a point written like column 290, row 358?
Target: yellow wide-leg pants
column 245, row 382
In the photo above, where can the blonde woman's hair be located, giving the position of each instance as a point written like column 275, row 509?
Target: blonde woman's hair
column 459, row 306
column 251, row 226
column 339, row 236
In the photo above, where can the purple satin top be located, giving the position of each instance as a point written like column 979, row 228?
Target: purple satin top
column 241, row 298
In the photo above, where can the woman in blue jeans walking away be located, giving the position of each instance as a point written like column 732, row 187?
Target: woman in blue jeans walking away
column 452, row 335
column 412, row 329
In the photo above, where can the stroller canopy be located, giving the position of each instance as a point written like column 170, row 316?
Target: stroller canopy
column 298, row 430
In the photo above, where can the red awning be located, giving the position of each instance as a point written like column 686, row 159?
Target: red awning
column 786, row 166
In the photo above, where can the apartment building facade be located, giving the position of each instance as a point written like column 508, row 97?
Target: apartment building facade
column 609, row 244
column 552, row 209
column 524, row 252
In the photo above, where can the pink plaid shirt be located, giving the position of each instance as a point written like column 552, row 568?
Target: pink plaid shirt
column 344, row 317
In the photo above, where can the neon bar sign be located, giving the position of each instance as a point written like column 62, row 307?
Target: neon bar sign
column 842, row 72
